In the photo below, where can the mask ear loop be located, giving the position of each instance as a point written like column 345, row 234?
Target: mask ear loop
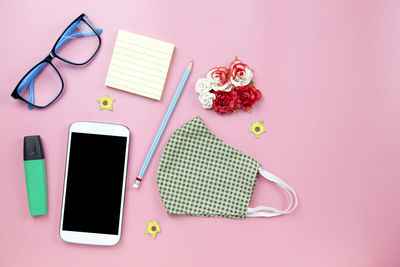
column 262, row 211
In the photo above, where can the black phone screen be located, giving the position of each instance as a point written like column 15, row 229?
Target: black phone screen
column 94, row 183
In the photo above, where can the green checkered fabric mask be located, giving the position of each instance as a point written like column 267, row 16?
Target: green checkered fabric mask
column 200, row 175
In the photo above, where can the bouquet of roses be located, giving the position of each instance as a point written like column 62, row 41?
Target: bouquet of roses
column 227, row 89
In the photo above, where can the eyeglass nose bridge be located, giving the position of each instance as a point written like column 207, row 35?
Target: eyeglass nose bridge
column 50, row 57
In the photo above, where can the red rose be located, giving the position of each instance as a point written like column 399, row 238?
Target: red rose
column 225, row 102
column 247, row 96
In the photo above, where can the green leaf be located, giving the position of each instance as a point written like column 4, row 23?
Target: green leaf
column 251, row 82
column 236, row 58
column 252, row 70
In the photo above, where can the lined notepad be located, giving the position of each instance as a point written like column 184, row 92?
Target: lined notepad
column 139, row 65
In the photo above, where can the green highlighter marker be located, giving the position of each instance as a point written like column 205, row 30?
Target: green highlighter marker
column 35, row 174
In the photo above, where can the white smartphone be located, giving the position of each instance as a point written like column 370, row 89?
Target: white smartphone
column 94, row 183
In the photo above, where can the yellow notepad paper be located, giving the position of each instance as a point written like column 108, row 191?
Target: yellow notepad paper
column 139, row 65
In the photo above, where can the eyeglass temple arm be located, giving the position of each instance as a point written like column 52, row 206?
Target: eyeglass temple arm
column 65, row 38
column 30, row 79
column 68, row 34
column 31, row 95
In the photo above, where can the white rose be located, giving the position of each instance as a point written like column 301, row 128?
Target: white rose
column 206, row 99
column 203, row 86
column 244, row 79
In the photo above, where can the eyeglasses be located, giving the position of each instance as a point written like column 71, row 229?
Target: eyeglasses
column 43, row 84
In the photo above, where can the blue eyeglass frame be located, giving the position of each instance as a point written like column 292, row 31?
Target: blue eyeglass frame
column 67, row 35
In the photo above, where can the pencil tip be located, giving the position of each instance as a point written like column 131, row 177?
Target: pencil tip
column 190, row 65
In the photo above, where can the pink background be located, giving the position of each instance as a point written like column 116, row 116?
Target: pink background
column 329, row 73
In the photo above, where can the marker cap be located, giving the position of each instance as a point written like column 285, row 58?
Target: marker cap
column 33, row 148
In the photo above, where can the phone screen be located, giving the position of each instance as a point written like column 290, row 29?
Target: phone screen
column 94, row 183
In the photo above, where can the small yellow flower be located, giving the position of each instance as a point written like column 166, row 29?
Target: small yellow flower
column 152, row 228
column 257, row 128
column 106, row 102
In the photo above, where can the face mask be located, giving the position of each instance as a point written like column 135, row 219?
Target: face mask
column 200, row 175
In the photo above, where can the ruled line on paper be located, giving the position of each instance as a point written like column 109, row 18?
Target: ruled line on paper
column 136, row 89
column 134, row 82
column 146, row 54
column 115, row 65
column 136, row 77
column 155, row 50
column 132, row 63
column 139, row 64
column 137, row 58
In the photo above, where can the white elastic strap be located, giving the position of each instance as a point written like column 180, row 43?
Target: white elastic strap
column 262, row 211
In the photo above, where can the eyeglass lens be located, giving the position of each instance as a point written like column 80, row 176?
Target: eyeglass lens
column 41, row 86
column 78, row 43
